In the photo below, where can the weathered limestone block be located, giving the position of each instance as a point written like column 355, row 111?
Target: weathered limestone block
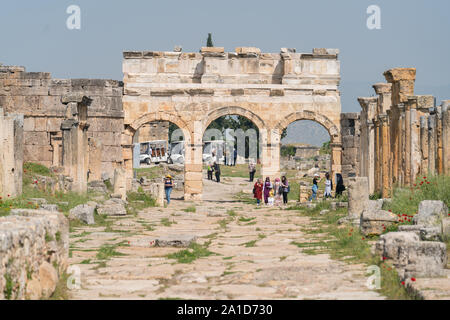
column 412, row 257
column 431, row 213
column 178, row 241
column 120, row 183
column 374, row 222
column 358, row 198
column 84, row 213
column 32, row 244
column 112, row 207
column 446, row 228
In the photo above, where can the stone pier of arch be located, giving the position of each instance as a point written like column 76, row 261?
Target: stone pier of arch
column 193, row 89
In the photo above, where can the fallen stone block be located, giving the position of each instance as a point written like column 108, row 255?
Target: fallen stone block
column 179, row 241
column 112, row 207
column 84, row 213
column 374, row 222
column 431, row 213
column 412, row 257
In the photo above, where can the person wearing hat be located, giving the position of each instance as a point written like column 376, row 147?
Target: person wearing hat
column 168, row 186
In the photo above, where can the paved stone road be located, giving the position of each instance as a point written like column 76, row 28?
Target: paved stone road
column 253, row 255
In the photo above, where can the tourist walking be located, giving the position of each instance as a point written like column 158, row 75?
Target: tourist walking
column 251, row 170
column 328, row 186
column 314, row 188
column 168, row 186
column 278, row 192
column 210, row 171
column 216, row 168
column 258, row 191
column 339, row 185
column 285, row 188
column 267, row 188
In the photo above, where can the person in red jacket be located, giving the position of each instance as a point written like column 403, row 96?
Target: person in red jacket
column 258, row 191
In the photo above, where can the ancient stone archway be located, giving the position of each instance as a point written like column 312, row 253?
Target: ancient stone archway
column 193, row 89
column 333, row 131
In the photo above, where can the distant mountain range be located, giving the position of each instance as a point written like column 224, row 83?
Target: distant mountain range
column 307, row 132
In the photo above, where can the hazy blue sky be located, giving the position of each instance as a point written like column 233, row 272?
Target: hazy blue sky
column 414, row 34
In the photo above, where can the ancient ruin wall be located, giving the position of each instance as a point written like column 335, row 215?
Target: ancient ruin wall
column 34, row 252
column 38, row 97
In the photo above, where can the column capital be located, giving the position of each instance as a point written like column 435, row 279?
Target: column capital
column 399, row 74
column 382, row 88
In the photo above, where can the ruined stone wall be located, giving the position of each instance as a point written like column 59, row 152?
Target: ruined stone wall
column 350, row 130
column 11, row 154
column 406, row 135
column 38, row 97
column 156, row 130
column 34, row 253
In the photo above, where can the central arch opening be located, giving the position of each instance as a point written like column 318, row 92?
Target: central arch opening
column 232, row 143
column 158, row 151
column 305, row 154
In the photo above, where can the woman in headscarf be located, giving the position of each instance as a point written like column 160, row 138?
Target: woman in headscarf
column 267, row 188
column 328, row 186
column 285, row 189
column 339, row 185
column 277, row 192
column 258, row 191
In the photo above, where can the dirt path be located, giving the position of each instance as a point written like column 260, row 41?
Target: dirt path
column 251, row 255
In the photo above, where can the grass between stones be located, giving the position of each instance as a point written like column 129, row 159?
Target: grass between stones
column 190, row 209
column 348, row 244
column 194, row 252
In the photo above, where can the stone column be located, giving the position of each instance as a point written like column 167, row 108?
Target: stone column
column 401, row 145
column 439, row 151
column 407, row 176
column 11, row 154
column 446, row 136
column 385, row 156
column 424, row 145
column 75, row 140
column 127, row 155
column 432, row 142
column 402, row 80
column 415, row 159
column 377, row 156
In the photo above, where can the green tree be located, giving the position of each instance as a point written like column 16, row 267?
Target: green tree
column 209, row 42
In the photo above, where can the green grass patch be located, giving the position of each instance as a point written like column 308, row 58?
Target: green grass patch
column 406, row 200
column 190, row 209
column 107, row 251
column 194, row 252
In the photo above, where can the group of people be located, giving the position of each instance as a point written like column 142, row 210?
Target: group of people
column 214, row 168
column 274, row 194
column 328, row 186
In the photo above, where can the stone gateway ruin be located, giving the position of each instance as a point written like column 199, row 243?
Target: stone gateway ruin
column 193, row 89
column 87, row 127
